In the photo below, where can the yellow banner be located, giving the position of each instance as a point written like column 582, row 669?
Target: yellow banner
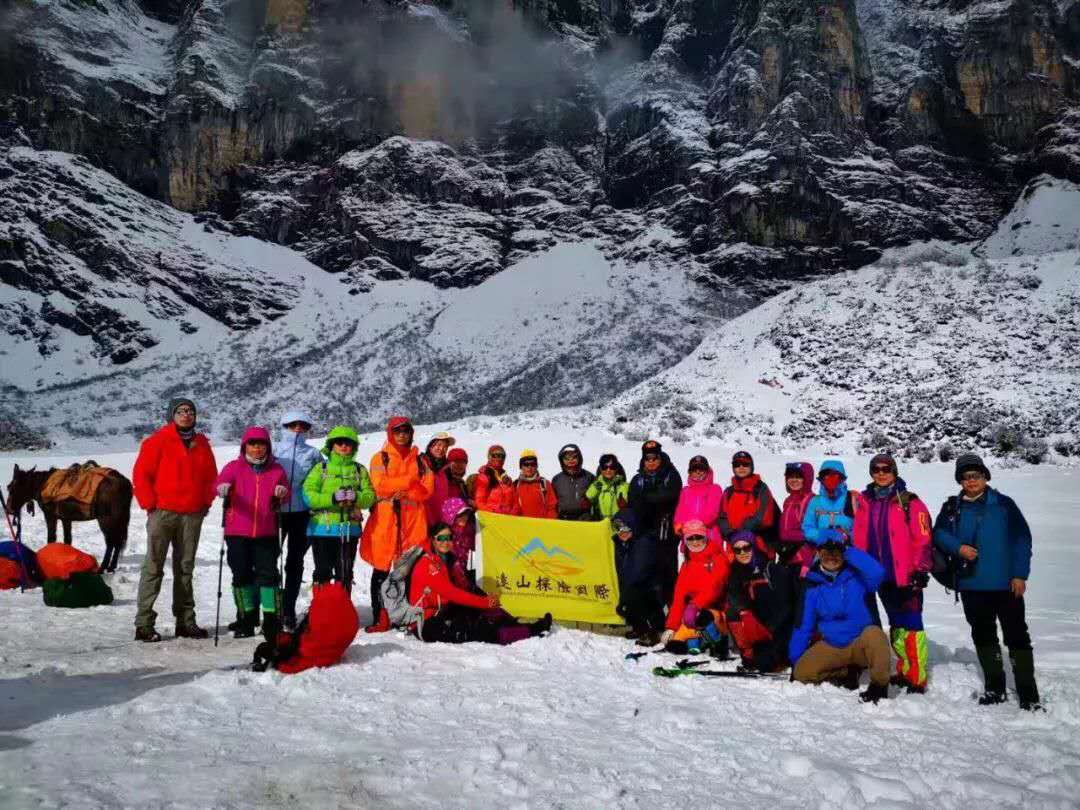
column 561, row 567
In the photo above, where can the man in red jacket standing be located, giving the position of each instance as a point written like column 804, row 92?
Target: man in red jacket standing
column 173, row 479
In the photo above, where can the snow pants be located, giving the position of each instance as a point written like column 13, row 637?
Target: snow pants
column 822, row 661
column 455, row 624
column 180, row 532
column 904, row 607
column 294, row 526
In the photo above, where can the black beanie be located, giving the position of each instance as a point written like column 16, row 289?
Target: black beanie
column 884, row 458
column 175, row 403
column 742, row 455
column 970, row 461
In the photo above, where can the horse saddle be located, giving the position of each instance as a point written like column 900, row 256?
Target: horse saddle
column 78, row 483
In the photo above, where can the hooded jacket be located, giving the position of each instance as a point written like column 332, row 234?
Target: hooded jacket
column 836, row 606
column 995, row 526
column 296, row 457
column 571, row 490
column 654, row 496
column 431, row 588
column 395, row 527
column 702, row 580
column 635, row 559
column 825, row 512
column 464, row 538
column 700, row 500
column 250, row 503
column 608, row 497
column 748, row 506
column 495, row 491
column 535, row 498
column 792, row 539
column 332, row 473
column 908, row 533
column 170, row 475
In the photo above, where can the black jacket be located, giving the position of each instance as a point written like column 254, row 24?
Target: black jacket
column 654, row 498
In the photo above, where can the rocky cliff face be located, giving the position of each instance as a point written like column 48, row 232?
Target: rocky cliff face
column 746, row 145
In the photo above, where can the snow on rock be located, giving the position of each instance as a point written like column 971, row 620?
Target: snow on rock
column 92, row 718
column 1045, row 219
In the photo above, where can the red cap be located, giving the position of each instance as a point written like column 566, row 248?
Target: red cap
column 457, row 454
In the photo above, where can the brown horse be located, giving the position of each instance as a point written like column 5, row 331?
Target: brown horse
column 111, row 508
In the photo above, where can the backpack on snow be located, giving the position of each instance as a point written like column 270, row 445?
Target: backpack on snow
column 395, row 590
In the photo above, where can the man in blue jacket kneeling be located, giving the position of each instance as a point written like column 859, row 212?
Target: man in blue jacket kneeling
column 836, row 607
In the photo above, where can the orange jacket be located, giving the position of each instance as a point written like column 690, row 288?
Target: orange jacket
column 499, row 498
column 169, row 475
column 536, row 499
column 431, row 588
column 384, row 540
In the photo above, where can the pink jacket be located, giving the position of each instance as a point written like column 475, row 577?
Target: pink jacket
column 251, row 494
column 909, row 539
column 791, row 517
column 700, row 500
column 443, row 491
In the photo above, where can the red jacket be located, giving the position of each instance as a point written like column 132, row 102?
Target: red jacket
column 430, row 587
column 499, row 498
column 748, row 505
column 169, row 475
column 702, row 580
column 536, row 499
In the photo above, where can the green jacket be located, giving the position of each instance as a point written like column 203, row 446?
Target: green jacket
column 605, row 496
column 333, row 473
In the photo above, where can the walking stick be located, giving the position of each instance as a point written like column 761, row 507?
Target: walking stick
column 220, row 567
column 281, row 530
column 16, row 534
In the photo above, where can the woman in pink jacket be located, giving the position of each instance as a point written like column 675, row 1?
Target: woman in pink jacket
column 701, row 499
column 794, row 550
column 253, row 485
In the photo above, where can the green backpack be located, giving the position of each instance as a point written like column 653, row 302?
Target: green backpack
column 80, row 590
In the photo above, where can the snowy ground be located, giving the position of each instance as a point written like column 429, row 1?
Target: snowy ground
column 93, row 719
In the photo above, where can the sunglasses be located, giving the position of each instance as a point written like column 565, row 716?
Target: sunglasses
column 652, row 457
column 402, row 429
column 740, row 464
column 972, row 476
column 529, row 464
column 343, row 443
column 444, row 538
column 496, row 455
column 881, row 469
column 696, row 538
column 185, row 411
column 742, row 548
column 608, row 467
column 699, row 469
column 621, row 528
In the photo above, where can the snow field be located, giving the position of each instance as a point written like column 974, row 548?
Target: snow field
column 95, row 720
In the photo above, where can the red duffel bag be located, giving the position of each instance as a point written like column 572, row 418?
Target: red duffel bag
column 60, row 561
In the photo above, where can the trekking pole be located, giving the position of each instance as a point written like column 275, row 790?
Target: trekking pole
column 281, row 522
column 15, row 528
column 220, row 568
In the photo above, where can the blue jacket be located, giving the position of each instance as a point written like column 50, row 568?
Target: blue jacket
column 635, row 560
column 836, row 606
column 297, row 457
column 823, row 512
column 996, row 527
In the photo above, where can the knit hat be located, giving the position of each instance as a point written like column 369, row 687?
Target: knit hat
column 698, row 463
column 884, row 458
column 970, row 461
column 651, row 448
column 457, row 454
column 175, row 403
column 742, row 455
column 526, row 455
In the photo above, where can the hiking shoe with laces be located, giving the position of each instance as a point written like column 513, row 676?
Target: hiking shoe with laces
column 874, row 692
column 148, row 634
column 191, row 630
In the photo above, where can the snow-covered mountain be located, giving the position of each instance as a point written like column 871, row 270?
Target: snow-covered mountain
column 933, row 349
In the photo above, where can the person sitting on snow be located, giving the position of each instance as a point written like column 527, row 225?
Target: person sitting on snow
column 453, row 614
column 834, row 605
column 699, row 595
column 760, row 606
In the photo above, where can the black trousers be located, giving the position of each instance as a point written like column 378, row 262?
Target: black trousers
column 667, row 568
column 377, row 579
column 252, row 560
column 640, row 606
column 294, row 526
column 984, row 609
column 332, row 560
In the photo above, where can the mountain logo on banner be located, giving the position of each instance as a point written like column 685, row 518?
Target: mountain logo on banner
column 536, row 548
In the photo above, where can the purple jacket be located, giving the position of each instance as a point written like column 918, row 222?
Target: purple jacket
column 251, row 505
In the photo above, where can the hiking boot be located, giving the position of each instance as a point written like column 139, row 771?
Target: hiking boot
column 254, row 621
column 991, row 698
column 541, row 627
column 874, row 692
column 649, row 638
column 1023, row 667
column 633, row 632
column 912, row 689
column 288, row 622
column 382, row 625
column 849, row 681
column 271, row 627
column 148, row 634
column 993, row 675
column 191, row 630
column 897, row 680
column 245, row 626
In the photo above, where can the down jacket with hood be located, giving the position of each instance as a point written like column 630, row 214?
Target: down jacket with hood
column 899, row 538
column 296, row 457
column 835, row 511
column 250, row 511
column 654, row 496
column 327, row 477
column 571, row 490
column 702, row 581
column 396, row 526
column 636, row 558
column 793, row 547
column 464, row 536
column 700, row 500
column 748, row 506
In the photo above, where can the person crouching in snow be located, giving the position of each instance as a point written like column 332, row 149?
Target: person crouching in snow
column 699, row 595
column 254, row 486
column 335, row 490
column 893, row 526
column 454, row 614
column 760, row 608
column 534, row 493
column 838, row 588
column 461, row 519
column 637, row 567
column 403, row 482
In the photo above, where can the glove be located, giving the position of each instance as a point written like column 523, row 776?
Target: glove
column 919, row 580
column 279, row 491
column 350, row 495
column 341, row 496
column 223, row 490
column 667, row 636
column 703, row 619
column 689, row 615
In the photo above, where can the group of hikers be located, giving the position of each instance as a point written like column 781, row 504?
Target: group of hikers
column 793, row 584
